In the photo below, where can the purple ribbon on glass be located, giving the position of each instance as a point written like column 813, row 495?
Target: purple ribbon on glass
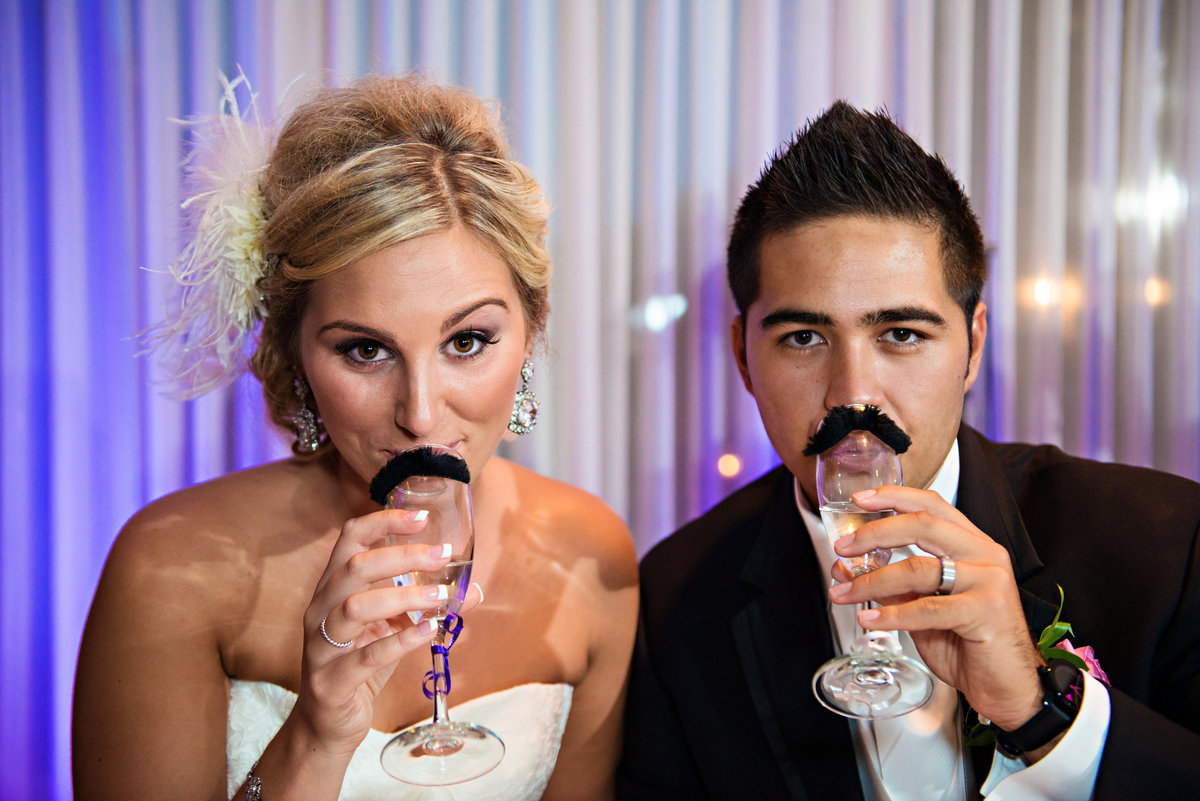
column 438, row 679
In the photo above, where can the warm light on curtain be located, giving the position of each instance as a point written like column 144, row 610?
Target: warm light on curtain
column 1073, row 125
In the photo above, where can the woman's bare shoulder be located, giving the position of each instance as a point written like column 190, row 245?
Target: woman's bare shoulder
column 237, row 500
column 182, row 586
column 212, row 498
column 206, row 530
column 577, row 523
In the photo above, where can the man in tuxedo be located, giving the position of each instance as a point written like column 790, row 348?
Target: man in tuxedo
column 857, row 266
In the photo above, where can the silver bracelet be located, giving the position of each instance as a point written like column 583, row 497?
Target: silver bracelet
column 253, row 785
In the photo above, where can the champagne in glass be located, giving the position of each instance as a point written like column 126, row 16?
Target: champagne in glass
column 842, row 518
column 448, row 504
column 456, row 576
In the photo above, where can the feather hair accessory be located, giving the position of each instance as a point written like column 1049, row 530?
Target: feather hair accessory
column 207, row 337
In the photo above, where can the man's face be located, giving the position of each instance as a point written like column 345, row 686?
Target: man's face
column 856, row 310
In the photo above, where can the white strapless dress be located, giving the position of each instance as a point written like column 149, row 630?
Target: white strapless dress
column 529, row 719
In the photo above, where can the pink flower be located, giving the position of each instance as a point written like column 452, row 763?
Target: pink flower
column 1088, row 656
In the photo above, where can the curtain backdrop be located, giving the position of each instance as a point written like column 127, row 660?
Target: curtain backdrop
column 1072, row 124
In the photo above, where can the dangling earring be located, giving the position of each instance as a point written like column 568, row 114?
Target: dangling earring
column 525, row 407
column 308, row 435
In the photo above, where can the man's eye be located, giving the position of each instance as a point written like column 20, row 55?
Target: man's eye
column 804, row 339
column 902, row 336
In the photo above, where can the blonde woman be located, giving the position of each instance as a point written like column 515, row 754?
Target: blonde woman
column 389, row 257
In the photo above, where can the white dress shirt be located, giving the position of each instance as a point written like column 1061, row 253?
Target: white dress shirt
column 920, row 756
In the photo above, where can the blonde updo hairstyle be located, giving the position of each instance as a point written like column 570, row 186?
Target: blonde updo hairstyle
column 385, row 160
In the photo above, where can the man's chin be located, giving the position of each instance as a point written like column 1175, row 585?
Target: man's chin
column 805, row 470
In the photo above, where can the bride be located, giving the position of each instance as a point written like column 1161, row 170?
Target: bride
column 384, row 260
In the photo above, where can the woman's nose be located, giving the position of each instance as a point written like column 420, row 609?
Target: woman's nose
column 419, row 403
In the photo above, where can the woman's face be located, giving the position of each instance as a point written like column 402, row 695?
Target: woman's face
column 419, row 343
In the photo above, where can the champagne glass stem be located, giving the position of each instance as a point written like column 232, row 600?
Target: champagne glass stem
column 872, row 635
column 438, row 653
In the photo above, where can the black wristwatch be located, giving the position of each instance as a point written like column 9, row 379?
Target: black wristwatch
column 1062, row 691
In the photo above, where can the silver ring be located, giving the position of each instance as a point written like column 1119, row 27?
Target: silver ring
column 949, row 574
column 332, row 641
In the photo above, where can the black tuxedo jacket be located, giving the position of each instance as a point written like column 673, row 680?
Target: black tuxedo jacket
column 734, row 624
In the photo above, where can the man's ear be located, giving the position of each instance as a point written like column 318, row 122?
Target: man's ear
column 737, row 340
column 978, row 338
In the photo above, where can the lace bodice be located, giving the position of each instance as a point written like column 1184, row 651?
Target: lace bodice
column 529, row 719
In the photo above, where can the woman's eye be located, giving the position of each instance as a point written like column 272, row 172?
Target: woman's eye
column 363, row 351
column 470, row 343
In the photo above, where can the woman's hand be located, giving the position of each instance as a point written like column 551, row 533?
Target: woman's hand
column 974, row 639
column 357, row 601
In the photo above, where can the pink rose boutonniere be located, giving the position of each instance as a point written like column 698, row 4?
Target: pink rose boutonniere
column 1052, row 644
column 1085, row 653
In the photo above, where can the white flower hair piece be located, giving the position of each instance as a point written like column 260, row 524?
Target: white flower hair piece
column 208, row 336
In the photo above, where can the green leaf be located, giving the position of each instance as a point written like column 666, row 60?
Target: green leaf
column 1058, row 653
column 1054, row 633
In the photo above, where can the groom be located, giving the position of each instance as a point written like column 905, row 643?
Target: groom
column 857, row 266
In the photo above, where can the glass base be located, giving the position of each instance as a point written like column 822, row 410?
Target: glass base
column 438, row 754
column 872, row 684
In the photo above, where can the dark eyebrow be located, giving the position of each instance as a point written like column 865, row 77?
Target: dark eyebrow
column 459, row 316
column 794, row 316
column 347, row 325
column 900, row 314
column 451, row 321
column 903, row 314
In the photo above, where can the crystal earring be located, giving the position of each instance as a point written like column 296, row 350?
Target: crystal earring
column 308, row 434
column 525, row 407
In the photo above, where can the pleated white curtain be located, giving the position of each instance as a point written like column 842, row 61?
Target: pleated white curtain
column 1073, row 125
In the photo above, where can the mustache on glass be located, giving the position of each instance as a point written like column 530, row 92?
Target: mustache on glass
column 859, row 417
column 416, row 462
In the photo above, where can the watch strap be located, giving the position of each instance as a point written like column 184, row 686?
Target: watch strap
column 1060, row 705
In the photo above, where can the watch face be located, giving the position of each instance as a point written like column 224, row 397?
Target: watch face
column 1066, row 680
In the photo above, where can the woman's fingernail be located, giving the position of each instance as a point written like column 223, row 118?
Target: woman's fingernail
column 418, row 515
column 869, row 614
column 839, row 590
column 842, row 542
column 864, row 494
column 475, row 584
column 435, row 592
column 440, row 551
column 427, row 626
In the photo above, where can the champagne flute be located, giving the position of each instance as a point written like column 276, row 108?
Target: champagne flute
column 876, row 679
column 441, row 752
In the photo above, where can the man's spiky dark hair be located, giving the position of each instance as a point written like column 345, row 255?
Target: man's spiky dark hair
column 849, row 162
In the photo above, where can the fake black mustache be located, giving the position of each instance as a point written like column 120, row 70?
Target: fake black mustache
column 843, row 419
column 416, row 462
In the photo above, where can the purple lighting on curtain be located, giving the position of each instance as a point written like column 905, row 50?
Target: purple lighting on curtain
column 27, row 658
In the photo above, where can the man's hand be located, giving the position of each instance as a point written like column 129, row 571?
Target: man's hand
column 974, row 639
